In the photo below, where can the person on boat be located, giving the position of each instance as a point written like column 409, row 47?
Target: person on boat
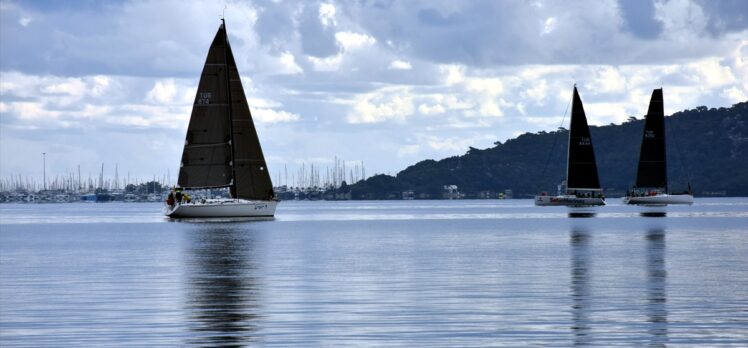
column 170, row 198
column 179, row 196
column 187, row 198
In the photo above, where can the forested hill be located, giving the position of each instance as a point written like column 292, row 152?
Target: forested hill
column 709, row 146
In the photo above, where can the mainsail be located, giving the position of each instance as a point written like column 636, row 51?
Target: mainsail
column 222, row 148
column 582, row 169
column 652, row 169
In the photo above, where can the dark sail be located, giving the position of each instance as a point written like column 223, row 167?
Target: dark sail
column 222, row 148
column 251, row 172
column 207, row 150
column 652, row 170
column 582, row 169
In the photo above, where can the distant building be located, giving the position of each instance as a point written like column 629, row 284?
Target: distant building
column 450, row 192
column 409, row 195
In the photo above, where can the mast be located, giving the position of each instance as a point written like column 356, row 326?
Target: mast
column 232, row 188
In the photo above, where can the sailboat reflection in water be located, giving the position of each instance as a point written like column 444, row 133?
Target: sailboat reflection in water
column 656, row 287
column 580, row 286
column 222, row 304
column 222, row 149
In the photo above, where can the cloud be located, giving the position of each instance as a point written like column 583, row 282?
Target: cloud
column 288, row 62
column 549, row 26
column 163, row 92
column 382, row 105
column 331, row 63
column 399, row 65
column 639, row 18
column 431, row 109
column 327, row 14
column 340, row 73
column 735, row 94
column 350, row 40
column 24, row 21
column 273, row 116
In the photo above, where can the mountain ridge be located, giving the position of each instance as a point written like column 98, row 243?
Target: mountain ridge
column 707, row 148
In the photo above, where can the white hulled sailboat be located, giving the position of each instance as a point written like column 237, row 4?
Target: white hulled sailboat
column 582, row 186
column 651, row 174
column 221, row 149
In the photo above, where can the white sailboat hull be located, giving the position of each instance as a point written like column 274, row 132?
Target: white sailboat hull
column 222, row 208
column 568, row 200
column 661, row 199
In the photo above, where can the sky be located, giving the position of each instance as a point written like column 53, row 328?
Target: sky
column 389, row 83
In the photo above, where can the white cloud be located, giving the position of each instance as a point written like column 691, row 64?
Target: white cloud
column 289, row 64
column 537, row 92
column 608, row 80
column 601, row 113
column 331, row 63
column 24, row 21
column 549, row 26
column 711, row 73
column 33, row 111
column 350, row 40
column 400, row 65
column 451, row 144
column 163, row 92
column 71, row 86
column 734, row 94
column 488, row 86
column 100, row 85
column 452, row 74
column 431, row 109
column 273, row 116
column 327, row 14
column 391, row 103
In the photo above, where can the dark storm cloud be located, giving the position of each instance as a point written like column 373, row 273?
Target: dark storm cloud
column 639, row 18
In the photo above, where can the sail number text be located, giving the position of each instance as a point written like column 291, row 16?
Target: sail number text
column 203, row 98
column 585, row 142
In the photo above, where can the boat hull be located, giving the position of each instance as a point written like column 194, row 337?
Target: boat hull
column 568, row 201
column 222, row 208
column 662, row 199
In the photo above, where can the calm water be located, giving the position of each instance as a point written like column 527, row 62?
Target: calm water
column 401, row 273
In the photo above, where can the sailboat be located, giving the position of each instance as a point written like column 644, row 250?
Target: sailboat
column 582, row 185
column 651, row 174
column 221, row 149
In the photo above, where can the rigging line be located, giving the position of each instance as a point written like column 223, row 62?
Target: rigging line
column 555, row 140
